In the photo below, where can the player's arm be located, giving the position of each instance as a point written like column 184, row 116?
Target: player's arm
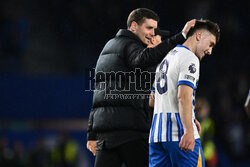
column 185, row 109
column 151, row 102
column 152, row 99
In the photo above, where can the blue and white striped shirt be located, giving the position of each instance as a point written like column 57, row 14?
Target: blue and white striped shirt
column 179, row 67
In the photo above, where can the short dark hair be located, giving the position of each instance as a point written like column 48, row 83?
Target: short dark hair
column 140, row 14
column 208, row 25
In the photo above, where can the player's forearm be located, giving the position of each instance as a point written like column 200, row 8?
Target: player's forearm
column 185, row 110
column 152, row 100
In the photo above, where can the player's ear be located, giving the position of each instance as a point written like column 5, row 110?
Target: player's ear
column 198, row 35
column 133, row 26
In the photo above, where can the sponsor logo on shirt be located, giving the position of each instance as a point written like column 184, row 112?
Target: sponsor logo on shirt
column 189, row 77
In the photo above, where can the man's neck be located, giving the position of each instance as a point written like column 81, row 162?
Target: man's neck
column 191, row 44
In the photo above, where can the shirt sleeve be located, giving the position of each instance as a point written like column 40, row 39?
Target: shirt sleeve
column 189, row 71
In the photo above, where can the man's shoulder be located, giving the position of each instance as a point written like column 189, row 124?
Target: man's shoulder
column 182, row 57
column 121, row 37
column 127, row 35
column 123, row 32
column 185, row 54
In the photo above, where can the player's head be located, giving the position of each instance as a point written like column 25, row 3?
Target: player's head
column 207, row 34
column 142, row 22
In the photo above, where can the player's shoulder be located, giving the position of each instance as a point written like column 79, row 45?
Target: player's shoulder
column 185, row 54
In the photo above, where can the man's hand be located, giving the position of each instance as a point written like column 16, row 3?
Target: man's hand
column 91, row 145
column 188, row 25
column 198, row 125
column 187, row 142
column 155, row 40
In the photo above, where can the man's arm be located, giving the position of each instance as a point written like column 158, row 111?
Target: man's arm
column 151, row 99
column 140, row 57
column 185, row 109
column 91, row 136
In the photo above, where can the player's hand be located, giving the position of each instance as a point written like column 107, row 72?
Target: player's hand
column 91, row 145
column 188, row 25
column 187, row 142
column 198, row 125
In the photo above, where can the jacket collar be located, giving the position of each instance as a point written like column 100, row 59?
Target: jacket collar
column 127, row 33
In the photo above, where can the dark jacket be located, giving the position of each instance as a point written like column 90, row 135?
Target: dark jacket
column 112, row 111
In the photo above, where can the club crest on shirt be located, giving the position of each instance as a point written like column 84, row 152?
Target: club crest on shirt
column 192, row 68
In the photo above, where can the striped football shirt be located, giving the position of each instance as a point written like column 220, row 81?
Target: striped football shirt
column 179, row 67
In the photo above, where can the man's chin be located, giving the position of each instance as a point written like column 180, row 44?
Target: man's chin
column 202, row 57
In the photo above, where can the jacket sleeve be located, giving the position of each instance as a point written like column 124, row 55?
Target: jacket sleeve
column 141, row 57
column 90, row 134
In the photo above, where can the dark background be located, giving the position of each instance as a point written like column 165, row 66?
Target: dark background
column 48, row 47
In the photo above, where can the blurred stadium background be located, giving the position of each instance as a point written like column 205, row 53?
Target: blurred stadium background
column 48, row 47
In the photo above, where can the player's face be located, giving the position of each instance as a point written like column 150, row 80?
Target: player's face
column 146, row 30
column 206, row 44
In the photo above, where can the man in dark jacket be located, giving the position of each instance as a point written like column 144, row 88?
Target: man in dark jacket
column 119, row 121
